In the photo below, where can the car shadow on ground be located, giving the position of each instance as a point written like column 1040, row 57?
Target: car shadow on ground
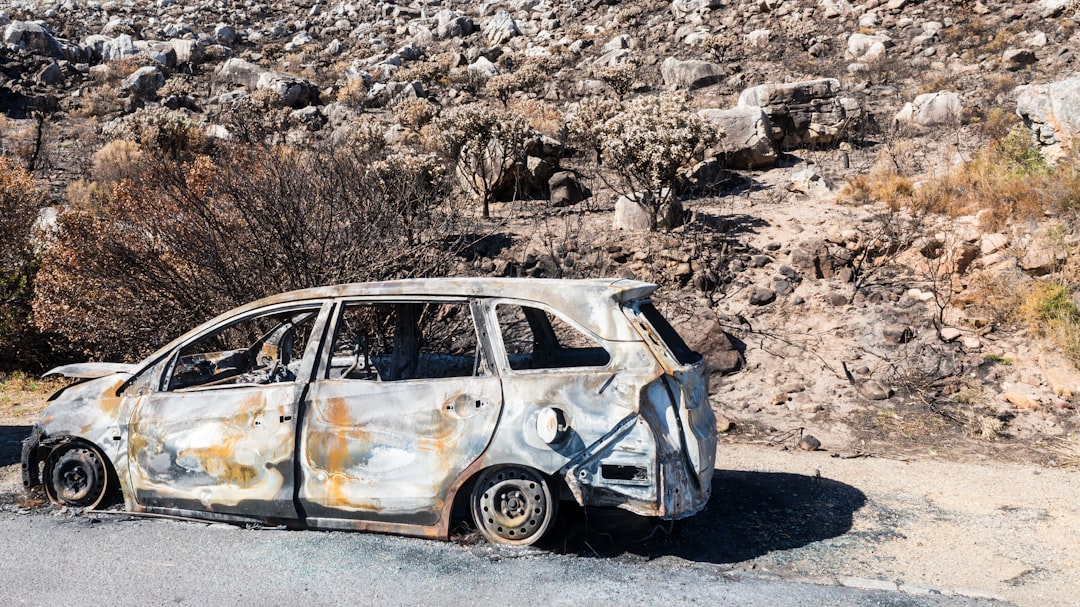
column 11, row 438
column 749, row 515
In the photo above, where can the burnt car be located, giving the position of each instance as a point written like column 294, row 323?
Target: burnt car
column 395, row 407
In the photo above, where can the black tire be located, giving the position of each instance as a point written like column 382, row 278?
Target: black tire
column 76, row 475
column 512, row 505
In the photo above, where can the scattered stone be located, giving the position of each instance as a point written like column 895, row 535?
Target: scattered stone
column 809, row 443
column 867, row 49
column 501, row 29
column 1020, row 400
column 761, row 296
column 809, row 182
column 872, row 389
column 1017, row 58
column 566, row 189
column 690, row 74
column 635, row 214
column 897, row 334
column 948, row 334
column 836, row 298
column 143, row 82
column 723, row 423
column 33, row 37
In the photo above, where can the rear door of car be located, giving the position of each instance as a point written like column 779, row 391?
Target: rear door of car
column 219, row 433
column 403, row 403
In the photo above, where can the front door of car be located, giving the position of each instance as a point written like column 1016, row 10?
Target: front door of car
column 404, row 403
column 219, row 435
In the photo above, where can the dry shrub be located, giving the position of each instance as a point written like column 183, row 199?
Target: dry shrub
column 978, row 424
column 483, row 142
column 645, row 143
column 543, row 117
column 620, row 77
column 100, row 100
column 414, row 114
column 1066, row 451
column 190, row 237
column 161, row 132
column 432, row 72
column 1049, row 311
column 354, row 93
column 117, row 160
column 88, row 195
column 888, row 180
column 17, row 137
column 20, row 202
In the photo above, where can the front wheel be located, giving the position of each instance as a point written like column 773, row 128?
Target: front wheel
column 75, row 475
column 512, row 505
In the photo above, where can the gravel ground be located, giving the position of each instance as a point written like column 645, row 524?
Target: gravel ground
column 783, row 528
column 105, row 560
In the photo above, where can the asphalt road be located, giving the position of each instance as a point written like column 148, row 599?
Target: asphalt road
column 55, row 558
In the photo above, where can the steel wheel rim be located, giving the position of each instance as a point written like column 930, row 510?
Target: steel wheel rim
column 512, row 505
column 74, row 481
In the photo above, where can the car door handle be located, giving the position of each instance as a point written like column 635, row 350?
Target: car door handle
column 285, row 418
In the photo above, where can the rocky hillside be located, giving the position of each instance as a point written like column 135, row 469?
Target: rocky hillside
column 834, row 239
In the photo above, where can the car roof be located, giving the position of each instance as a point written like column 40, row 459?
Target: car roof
column 577, row 298
column 549, row 290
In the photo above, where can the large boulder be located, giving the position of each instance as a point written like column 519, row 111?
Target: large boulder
column 290, row 90
column 745, row 141
column 453, row 25
column 566, row 189
column 634, row 214
column 683, row 8
column 34, row 37
column 811, row 112
column 501, row 29
column 690, row 74
column 931, row 109
column 1052, row 112
column 867, row 48
column 144, row 82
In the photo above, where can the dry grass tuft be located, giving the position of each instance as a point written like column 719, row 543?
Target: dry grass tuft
column 1066, row 451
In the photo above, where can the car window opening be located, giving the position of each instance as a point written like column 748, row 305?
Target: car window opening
column 404, row 341
column 261, row 350
column 537, row 339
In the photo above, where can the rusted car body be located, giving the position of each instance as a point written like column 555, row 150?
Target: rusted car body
column 385, row 406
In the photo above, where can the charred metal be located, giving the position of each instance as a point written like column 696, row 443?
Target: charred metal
column 389, row 406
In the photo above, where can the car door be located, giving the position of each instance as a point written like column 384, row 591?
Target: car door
column 219, row 434
column 404, row 403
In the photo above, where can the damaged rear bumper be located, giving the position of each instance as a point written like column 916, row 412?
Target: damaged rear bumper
column 623, row 471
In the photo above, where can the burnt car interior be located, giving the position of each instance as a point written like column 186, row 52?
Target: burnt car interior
column 404, row 341
column 260, row 350
column 537, row 339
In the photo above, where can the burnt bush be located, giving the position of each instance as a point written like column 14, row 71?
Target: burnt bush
column 191, row 236
column 20, row 202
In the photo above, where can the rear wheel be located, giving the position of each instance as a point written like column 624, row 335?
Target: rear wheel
column 512, row 505
column 76, row 475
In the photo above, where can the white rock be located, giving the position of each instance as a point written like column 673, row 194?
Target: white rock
column 865, row 48
column 931, row 109
column 949, row 334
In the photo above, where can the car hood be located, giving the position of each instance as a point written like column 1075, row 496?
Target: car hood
column 90, row 370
